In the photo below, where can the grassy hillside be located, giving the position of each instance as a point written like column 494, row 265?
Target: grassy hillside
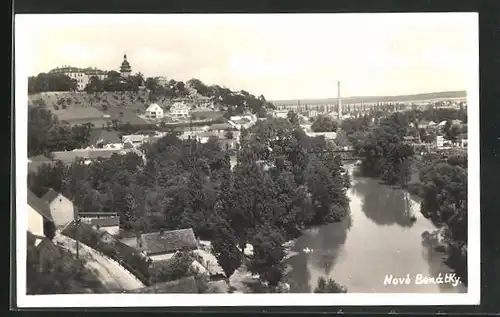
column 80, row 107
column 367, row 99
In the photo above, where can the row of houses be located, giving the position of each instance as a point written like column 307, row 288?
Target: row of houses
column 181, row 108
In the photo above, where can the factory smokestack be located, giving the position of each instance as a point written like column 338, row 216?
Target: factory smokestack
column 339, row 101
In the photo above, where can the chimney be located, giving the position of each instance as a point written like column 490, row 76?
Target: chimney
column 339, row 101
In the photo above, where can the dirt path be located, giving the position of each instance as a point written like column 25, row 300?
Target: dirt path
column 114, row 277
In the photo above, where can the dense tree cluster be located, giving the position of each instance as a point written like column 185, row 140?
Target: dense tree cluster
column 384, row 153
column 329, row 286
column 324, row 123
column 233, row 102
column 281, row 184
column 46, row 134
column 443, row 187
column 50, row 82
column 114, row 82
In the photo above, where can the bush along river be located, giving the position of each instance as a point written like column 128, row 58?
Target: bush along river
column 381, row 247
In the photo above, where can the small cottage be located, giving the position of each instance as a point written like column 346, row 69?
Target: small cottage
column 163, row 244
column 154, row 111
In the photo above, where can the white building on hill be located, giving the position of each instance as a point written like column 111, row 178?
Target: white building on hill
column 154, row 111
column 180, row 109
column 80, row 75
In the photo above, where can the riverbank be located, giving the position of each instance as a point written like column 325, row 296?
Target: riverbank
column 456, row 252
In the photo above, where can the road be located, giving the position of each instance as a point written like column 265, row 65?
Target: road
column 114, row 277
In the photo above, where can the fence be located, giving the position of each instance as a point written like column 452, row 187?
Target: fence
column 127, row 257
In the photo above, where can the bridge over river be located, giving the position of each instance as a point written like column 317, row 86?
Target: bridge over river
column 345, row 155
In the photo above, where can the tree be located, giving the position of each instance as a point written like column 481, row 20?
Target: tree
column 225, row 248
column 293, row 118
column 199, row 86
column 452, row 132
column 130, row 219
column 268, row 254
column 324, row 124
column 329, row 286
column 50, row 82
column 94, row 85
column 229, row 135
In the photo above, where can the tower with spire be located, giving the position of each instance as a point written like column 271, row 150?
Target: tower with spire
column 125, row 69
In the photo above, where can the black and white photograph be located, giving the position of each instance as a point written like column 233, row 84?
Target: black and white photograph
column 181, row 159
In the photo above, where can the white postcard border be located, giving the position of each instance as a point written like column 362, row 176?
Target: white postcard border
column 472, row 297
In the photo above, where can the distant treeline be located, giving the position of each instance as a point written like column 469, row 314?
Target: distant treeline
column 366, row 99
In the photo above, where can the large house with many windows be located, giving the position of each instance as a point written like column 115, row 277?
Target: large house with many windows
column 82, row 75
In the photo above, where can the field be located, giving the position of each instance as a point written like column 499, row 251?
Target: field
column 203, row 115
column 80, row 107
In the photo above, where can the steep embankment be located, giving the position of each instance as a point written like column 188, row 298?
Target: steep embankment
column 114, row 277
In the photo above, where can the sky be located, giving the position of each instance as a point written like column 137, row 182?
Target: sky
column 286, row 56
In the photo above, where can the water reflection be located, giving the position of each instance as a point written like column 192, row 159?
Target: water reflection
column 379, row 238
column 382, row 204
column 324, row 244
column 437, row 267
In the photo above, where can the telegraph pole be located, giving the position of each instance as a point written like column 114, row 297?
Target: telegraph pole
column 339, row 101
column 77, row 233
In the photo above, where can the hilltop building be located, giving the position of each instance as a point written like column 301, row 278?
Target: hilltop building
column 125, row 68
column 80, row 75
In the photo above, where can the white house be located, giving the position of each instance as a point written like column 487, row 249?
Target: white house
column 280, row 113
column 40, row 220
column 179, row 109
column 154, row 111
column 134, row 139
column 439, row 141
column 327, row 135
column 61, row 208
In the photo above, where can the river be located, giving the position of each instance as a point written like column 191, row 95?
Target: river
column 378, row 239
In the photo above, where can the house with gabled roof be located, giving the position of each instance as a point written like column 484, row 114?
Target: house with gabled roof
column 163, row 244
column 40, row 222
column 61, row 208
column 154, row 111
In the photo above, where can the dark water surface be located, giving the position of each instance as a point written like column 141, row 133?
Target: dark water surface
column 378, row 239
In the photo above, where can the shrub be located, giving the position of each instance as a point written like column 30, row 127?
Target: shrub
column 64, row 106
column 329, row 286
column 39, row 102
column 176, row 267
